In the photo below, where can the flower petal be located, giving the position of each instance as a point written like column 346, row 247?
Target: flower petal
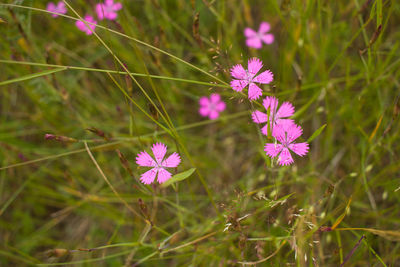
column 238, row 85
column 254, row 91
column 159, row 150
column 268, row 38
column 145, row 160
column 204, row 111
column 51, row 7
column 285, row 158
column 111, row 15
column 239, row 72
column 270, row 102
column 220, row 106
column 215, row 98
column 163, row 175
column 172, row 161
column 272, row 150
column 293, row 132
column 279, row 132
column 259, row 117
column 265, row 77
column 204, row 101
column 264, row 27
column 285, row 123
column 100, row 11
column 149, row 176
column 213, row 115
column 117, row 6
column 248, row 32
column 286, row 110
column 254, row 65
column 254, row 42
column 300, row 149
column 264, row 130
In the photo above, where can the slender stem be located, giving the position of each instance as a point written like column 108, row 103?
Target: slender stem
column 113, row 72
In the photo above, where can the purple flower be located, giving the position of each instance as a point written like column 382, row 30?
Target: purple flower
column 255, row 39
column 108, row 10
column 211, row 107
column 158, row 165
column 286, row 134
column 87, row 29
column 59, row 8
column 275, row 115
column 248, row 77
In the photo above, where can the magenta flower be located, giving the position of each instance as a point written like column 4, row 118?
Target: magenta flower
column 286, row 134
column 248, row 77
column 158, row 165
column 87, row 29
column 275, row 117
column 59, row 8
column 108, row 10
column 211, row 107
column 255, row 39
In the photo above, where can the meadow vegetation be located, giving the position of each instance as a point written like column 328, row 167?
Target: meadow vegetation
column 76, row 109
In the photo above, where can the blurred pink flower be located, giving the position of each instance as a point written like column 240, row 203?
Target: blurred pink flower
column 158, row 165
column 275, row 117
column 108, row 10
column 248, row 77
column 255, row 39
column 286, row 134
column 87, row 29
column 59, row 8
column 211, row 107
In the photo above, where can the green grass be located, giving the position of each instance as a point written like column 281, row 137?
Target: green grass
column 138, row 80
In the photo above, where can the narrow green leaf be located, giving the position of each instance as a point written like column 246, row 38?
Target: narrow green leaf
column 32, row 76
column 179, row 177
column 316, row 133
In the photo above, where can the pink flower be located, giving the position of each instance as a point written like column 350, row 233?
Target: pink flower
column 108, row 10
column 275, row 117
column 158, row 165
column 248, row 77
column 255, row 39
column 211, row 107
column 286, row 134
column 59, row 8
column 87, row 29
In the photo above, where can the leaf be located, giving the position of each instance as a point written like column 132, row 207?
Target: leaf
column 179, row 177
column 32, row 76
column 316, row 133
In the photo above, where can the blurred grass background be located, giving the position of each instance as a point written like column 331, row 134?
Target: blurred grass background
column 336, row 61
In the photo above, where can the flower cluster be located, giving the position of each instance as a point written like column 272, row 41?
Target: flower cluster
column 284, row 131
column 107, row 10
column 275, row 120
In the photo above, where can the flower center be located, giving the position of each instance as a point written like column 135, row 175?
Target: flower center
column 250, row 77
column 212, row 106
column 108, row 9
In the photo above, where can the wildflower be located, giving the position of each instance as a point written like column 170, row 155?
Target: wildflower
column 211, row 107
column 59, row 8
column 255, row 39
column 248, row 77
column 286, row 134
column 158, row 165
column 88, row 29
column 275, row 117
column 108, row 10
